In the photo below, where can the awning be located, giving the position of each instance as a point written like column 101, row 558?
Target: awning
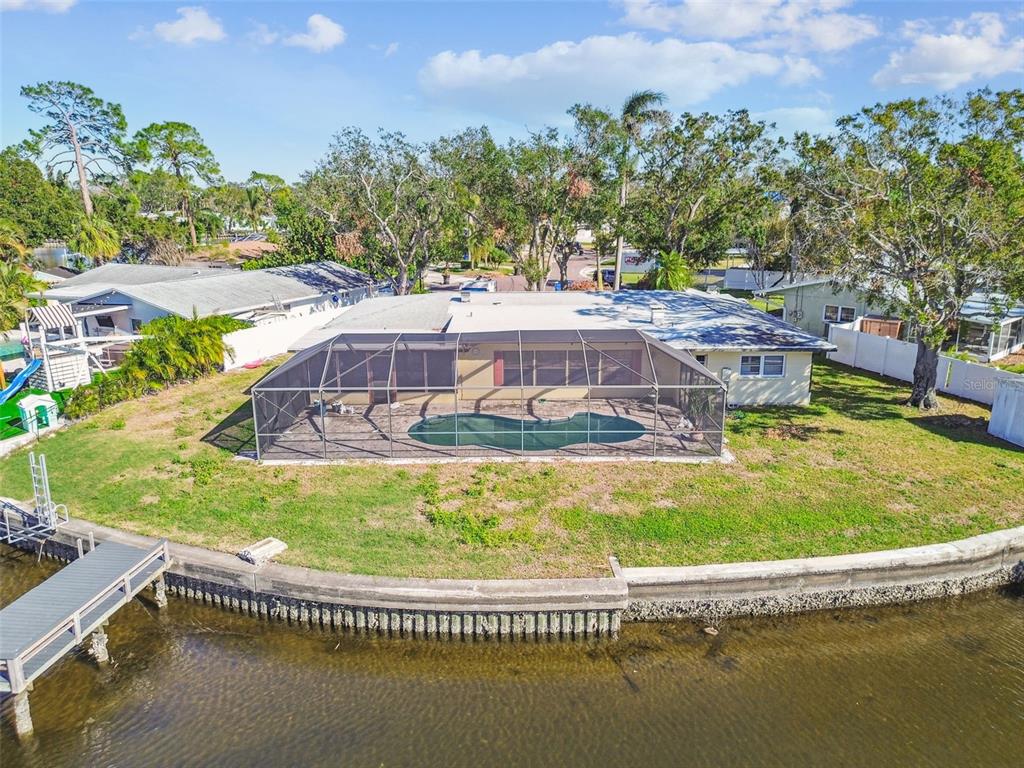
column 53, row 316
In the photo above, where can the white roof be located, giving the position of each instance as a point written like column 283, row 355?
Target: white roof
column 689, row 319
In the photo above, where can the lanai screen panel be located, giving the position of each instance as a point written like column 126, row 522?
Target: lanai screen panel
column 611, row 393
column 284, row 398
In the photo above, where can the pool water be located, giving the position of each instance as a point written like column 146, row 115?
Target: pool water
column 491, row 431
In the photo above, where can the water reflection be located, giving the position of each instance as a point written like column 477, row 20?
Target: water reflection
column 938, row 683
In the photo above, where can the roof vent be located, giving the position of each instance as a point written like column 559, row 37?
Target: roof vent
column 657, row 313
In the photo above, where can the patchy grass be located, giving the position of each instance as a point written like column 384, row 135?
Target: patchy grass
column 853, row 471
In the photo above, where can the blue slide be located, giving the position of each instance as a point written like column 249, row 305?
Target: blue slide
column 19, row 381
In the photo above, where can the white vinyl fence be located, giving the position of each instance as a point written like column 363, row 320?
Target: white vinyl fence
column 894, row 358
column 1007, row 420
column 745, row 279
column 250, row 345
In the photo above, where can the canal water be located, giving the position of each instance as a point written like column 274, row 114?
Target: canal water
column 934, row 684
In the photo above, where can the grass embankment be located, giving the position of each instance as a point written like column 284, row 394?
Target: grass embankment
column 853, row 471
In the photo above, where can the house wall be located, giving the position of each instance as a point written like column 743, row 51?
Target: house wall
column 792, row 388
column 808, row 304
column 137, row 310
column 476, row 373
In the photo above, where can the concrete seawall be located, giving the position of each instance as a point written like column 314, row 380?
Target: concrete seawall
column 498, row 608
column 573, row 608
column 712, row 592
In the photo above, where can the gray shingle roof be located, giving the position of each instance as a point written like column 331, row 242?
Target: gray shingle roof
column 215, row 291
column 132, row 274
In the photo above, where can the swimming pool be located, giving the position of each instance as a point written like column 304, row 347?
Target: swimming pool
column 491, row 431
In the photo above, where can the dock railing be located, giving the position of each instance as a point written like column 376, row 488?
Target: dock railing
column 14, row 668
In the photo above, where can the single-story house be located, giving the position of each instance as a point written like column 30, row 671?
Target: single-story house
column 988, row 329
column 615, row 375
column 763, row 360
column 121, row 298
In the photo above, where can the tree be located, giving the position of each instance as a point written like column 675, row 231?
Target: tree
column 254, row 208
column 269, row 187
column 480, row 174
column 698, row 177
column 638, row 112
column 179, row 149
column 12, row 243
column 608, row 147
column 547, row 194
column 96, row 239
column 39, row 209
column 84, row 133
column 388, row 191
column 670, row 273
column 922, row 205
column 16, row 282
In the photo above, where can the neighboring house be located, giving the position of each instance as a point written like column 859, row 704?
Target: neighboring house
column 762, row 360
column 987, row 328
column 121, row 298
column 53, row 275
column 813, row 304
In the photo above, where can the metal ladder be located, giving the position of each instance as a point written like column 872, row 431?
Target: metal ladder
column 45, row 518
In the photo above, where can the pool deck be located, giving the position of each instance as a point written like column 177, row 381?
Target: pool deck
column 365, row 434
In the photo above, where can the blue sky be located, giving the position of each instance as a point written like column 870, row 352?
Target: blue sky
column 268, row 83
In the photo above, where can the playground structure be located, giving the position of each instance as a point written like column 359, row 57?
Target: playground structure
column 67, row 357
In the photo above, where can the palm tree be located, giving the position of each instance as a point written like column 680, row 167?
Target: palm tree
column 638, row 112
column 670, row 273
column 12, row 243
column 253, row 207
column 16, row 282
column 97, row 239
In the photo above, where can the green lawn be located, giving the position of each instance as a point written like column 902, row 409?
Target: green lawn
column 853, row 471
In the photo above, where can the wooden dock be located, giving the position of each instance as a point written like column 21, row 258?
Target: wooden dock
column 41, row 626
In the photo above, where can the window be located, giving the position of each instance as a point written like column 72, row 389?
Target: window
column 773, row 365
column 702, row 359
column 561, row 368
column 767, row 366
column 136, row 324
column 834, row 313
column 550, row 368
column 104, row 321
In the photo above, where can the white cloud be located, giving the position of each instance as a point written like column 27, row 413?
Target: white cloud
column 261, row 34
column 391, row 50
column 971, row 48
column 50, row 6
column 789, row 120
column 321, row 34
column 790, row 24
column 799, row 70
column 193, row 25
column 600, row 68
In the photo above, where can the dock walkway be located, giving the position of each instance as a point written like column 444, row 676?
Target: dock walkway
column 38, row 628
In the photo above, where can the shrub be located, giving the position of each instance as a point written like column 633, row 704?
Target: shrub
column 175, row 349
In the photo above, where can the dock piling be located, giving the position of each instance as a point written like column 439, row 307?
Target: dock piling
column 98, row 646
column 21, row 715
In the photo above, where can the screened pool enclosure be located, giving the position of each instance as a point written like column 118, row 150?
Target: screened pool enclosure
column 610, row 393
